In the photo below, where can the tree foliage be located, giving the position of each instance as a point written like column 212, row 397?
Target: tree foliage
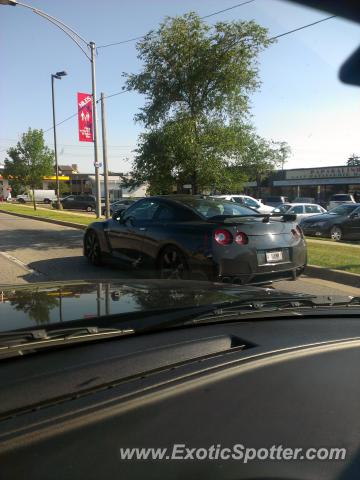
column 197, row 80
column 353, row 161
column 29, row 162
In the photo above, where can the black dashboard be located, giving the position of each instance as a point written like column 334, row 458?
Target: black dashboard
column 66, row 413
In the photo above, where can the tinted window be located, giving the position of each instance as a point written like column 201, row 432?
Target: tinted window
column 143, row 210
column 216, row 207
column 166, row 214
column 341, row 198
column 343, row 209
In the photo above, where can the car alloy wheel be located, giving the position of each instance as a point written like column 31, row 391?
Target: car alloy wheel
column 92, row 248
column 336, row 233
column 173, row 265
column 89, row 209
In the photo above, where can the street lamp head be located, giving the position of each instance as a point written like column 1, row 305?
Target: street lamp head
column 13, row 3
column 61, row 74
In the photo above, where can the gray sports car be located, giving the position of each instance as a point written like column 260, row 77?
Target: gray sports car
column 197, row 237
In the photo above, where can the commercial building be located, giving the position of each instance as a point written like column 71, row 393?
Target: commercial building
column 84, row 183
column 319, row 183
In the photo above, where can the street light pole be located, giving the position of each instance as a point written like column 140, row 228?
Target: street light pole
column 96, row 158
column 58, row 75
column 80, row 42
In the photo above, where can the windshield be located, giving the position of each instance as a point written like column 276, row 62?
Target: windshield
column 218, row 105
column 343, row 209
column 217, row 207
column 282, row 208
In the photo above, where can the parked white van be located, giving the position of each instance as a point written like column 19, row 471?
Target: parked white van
column 46, row 196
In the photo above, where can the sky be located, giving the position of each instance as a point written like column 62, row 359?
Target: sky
column 300, row 101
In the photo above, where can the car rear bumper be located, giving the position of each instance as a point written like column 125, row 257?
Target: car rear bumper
column 263, row 278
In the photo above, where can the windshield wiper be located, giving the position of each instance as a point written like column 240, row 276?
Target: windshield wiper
column 296, row 305
column 16, row 343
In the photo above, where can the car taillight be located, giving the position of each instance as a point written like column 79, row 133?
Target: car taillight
column 297, row 232
column 222, row 237
column 241, row 238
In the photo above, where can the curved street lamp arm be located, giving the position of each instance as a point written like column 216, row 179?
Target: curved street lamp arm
column 58, row 23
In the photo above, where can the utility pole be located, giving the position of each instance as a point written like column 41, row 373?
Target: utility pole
column 96, row 160
column 105, row 162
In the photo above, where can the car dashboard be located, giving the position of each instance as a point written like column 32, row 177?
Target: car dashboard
column 67, row 413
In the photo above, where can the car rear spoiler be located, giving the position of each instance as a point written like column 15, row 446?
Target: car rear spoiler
column 265, row 216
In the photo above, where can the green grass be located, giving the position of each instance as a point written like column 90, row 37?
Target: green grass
column 52, row 214
column 334, row 256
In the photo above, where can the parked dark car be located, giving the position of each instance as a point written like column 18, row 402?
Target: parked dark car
column 78, row 202
column 187, row 237
column 275, row 201
column 339, row 223
column 117, row 206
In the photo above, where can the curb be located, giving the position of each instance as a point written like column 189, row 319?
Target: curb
column 47, row 220
column 337, row 276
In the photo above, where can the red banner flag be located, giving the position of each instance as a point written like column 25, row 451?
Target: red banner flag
column 85, row 117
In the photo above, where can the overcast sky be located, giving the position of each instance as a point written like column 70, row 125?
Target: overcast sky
column 301, row 101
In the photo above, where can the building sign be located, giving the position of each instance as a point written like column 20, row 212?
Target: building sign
column 53, row 177
column 84, row 101
column 323, row 172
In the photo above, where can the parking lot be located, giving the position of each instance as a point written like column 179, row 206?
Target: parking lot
column 32, row 251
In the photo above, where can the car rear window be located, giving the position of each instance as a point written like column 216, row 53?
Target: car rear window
column 217, row 207
column 343, row 209
column 341, row 198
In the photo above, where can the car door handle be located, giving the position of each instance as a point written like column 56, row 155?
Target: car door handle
column 142, row 229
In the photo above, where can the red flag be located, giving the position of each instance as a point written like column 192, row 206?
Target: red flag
column 85, row 117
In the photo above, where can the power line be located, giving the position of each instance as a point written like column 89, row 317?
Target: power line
column 304, row 26
column 74, row 115
column 129, row 40
column 226, row 9
column 271, row 38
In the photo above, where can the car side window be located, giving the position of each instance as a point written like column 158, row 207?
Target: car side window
column 249, row 202
column 312, row 209
column 166, row 213
column 70, row 199
column 297, row 209
column 142, row 211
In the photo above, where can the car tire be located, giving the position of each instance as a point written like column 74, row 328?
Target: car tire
column 89, row 208
column 92, row 250
column 172, row 264
column 336, row 233
column 21, row 200
column 47, row 201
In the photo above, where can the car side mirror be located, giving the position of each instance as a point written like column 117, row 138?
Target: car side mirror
column 354, row 215
column 118, row 216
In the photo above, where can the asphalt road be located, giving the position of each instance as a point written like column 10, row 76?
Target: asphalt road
column 34, row 251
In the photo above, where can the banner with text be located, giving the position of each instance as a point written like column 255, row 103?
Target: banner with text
column 85, row 117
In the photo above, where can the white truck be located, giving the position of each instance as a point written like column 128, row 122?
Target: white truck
column 45, row 196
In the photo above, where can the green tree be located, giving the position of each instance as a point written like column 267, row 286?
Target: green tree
column 64, row 188
column 197, row 80
column 353, row 161
column 29, row 162
column 261, row 157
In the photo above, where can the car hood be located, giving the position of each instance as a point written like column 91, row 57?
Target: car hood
column 40, row 305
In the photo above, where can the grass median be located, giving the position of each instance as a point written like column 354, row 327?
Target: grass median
column 339, row 257
column 51, row 214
